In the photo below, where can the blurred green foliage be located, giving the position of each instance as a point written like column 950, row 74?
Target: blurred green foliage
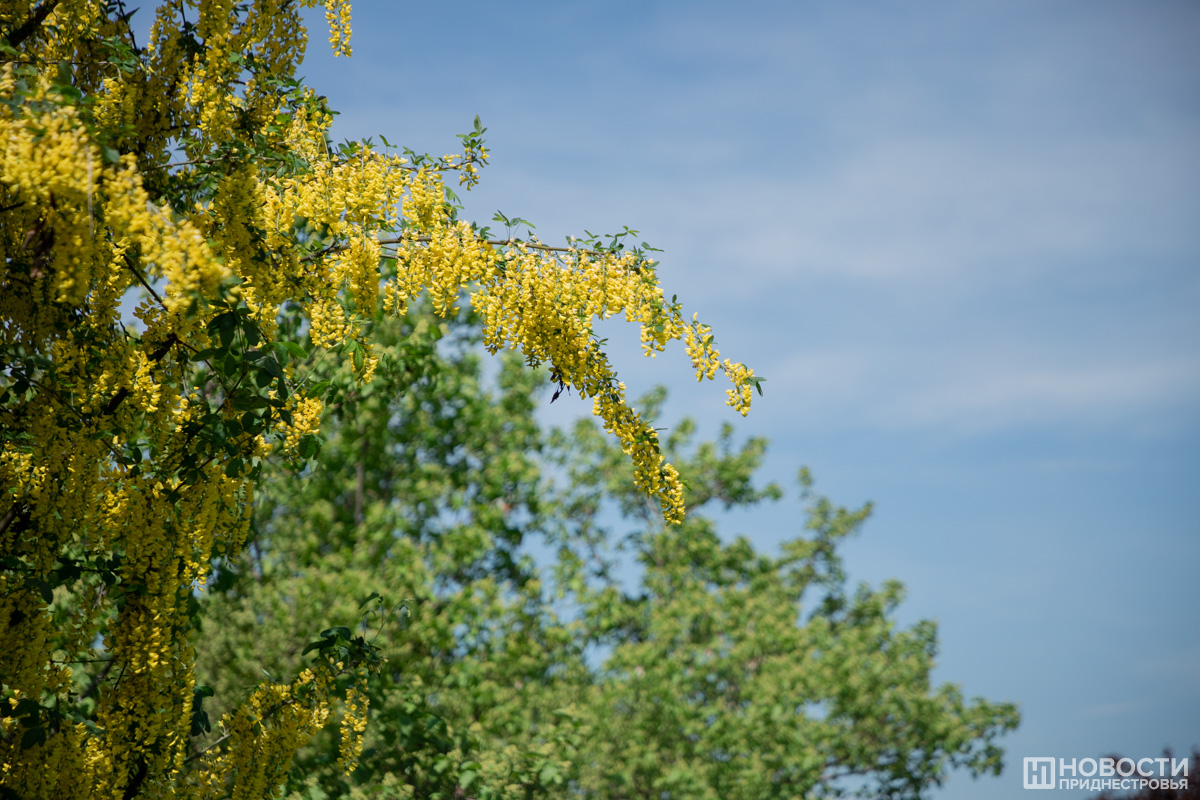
column 716, row 671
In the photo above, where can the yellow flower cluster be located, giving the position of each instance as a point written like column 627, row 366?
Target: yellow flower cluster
column 306, row 419
column 652, row 474
column 424, row 200
column 742, row 392
column 699, row 343
column 337, row 14
column 354, row 723
column 277, row 720
column 531, row 300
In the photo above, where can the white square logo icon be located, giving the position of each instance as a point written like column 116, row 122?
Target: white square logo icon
column 1039, row 772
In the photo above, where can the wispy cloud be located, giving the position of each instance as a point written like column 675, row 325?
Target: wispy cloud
column 947, row 391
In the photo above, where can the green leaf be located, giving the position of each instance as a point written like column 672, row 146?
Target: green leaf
column 249, row 402
column 27, row 707
column 33, row 737
column 319, row 644
column 42, row 587
column 308, row 446
column 296, row 350
column 224, row 325
column 272, row 367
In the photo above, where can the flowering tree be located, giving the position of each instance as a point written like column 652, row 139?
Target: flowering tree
column 193, row 170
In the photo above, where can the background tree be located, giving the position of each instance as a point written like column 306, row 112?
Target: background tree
column 195, row 170
column 719, row 672
column 735, row 674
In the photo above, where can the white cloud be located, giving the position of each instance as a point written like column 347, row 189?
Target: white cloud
column 1042, row 393
column 936, row 210
column 898, row 390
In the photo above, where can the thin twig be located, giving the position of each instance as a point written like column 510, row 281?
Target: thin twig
column 143, row 282
column 423, row 238
column 270, row 712
column 94, row 685
column 199, row 753
column 190, row 163
column 125, row 16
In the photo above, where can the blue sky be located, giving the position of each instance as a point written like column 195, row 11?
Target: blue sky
column 960, row 240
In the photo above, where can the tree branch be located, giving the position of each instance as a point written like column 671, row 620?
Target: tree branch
column 8, row 518
column 338, row 248
column 31, row 25
column 135, row 783
column 142, row 281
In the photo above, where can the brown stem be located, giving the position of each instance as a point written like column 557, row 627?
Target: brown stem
column 506, row 243
column 197, row 753
column 8, row 518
